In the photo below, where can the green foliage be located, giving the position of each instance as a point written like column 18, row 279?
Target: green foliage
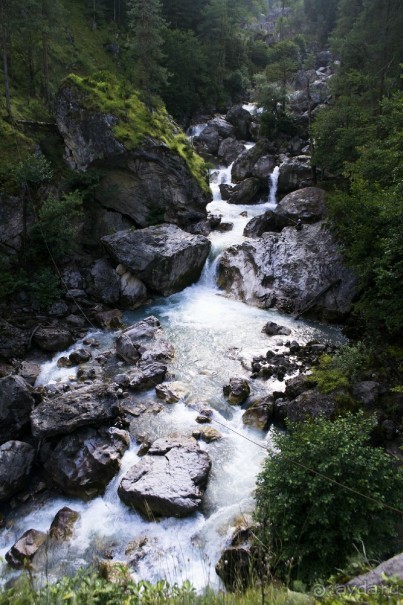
column 145, row 27
column 54, row 232
column 337, row 371
column 33, row 171
column 309, row 525
column 88, row 588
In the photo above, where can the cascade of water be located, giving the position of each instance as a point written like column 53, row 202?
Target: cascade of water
column 273, row 184
column 214, row 338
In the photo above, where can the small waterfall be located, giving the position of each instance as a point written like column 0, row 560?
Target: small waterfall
column 273, row 182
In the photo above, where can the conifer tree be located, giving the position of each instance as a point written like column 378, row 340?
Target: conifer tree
column 146, row 25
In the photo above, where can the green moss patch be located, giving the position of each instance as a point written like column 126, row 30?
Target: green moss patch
column 136, row 123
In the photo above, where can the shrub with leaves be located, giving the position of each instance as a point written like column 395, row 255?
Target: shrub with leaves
column 322, row 495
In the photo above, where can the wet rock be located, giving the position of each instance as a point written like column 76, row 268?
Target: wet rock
column 295, row 271
column 169, row 481
column 164, row 257
column 53, row 339
column 237, row 391
column 86, row 405
column 260, row 413
column 82, row 464
column 243, row 166
column 25, row 548
column 114, row 572
column 62, row 526
column 13, row 341
column 273, row 329
column 207, row 434
column 16, row 460
column 104, row 283
column 241, row 119
column 109, row 320
column 133, row 292
column 224, row 128
column 224, row 227
column 307, row 204
column 147, row 376
column 76, row 321
column 79, row 356
column 144, row 340
column 16, row 404
column 296, row 386
column 136, row 409
column 367, row 393
column 137, row 549
column 234, row 567
column 205, row 414
column 225, row 191
column 246, row 192
column 208, row 140
column 172, row 392
column 264, row 168
column 29, row 371
column 295, row 173
column 269, row 221
column 229, row 150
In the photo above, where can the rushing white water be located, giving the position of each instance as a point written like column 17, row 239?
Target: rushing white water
column 215, row 338
column 273, row 183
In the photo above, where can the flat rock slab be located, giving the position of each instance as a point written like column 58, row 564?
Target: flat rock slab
column 164, row 257
column 87, row 405
column 171, row 392
column 169, row 481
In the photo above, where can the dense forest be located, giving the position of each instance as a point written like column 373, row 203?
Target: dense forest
column 324, row 81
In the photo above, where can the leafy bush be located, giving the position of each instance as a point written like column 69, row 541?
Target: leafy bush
column 55, row 230
column 309, row 524
column 336, row 372
column 33, row 171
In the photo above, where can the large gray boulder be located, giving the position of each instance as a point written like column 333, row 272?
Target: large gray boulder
column 243, row 166
column 144, row 340
column 16, row 404
column 87, row 405
column 148, row 184
column 241, row 120
column 229, row 150
column 295, row 271
column 169, row 481
column 104, row 282
column 224, row 128
column 295, row 173
column 82, row 464
column 53, row 338
column 247, row 192
column 16, row 460
column 164, row 257
column 269, row 221
column 307, row 204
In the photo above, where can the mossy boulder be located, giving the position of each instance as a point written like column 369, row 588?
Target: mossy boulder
column 152, row 174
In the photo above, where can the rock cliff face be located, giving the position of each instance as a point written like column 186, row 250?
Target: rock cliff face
column 148, row 183
column 293, row 271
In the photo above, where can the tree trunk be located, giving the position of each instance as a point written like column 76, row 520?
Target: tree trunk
column 4, row 43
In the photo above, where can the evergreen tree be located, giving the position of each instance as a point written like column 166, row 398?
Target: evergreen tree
column 146, row 25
